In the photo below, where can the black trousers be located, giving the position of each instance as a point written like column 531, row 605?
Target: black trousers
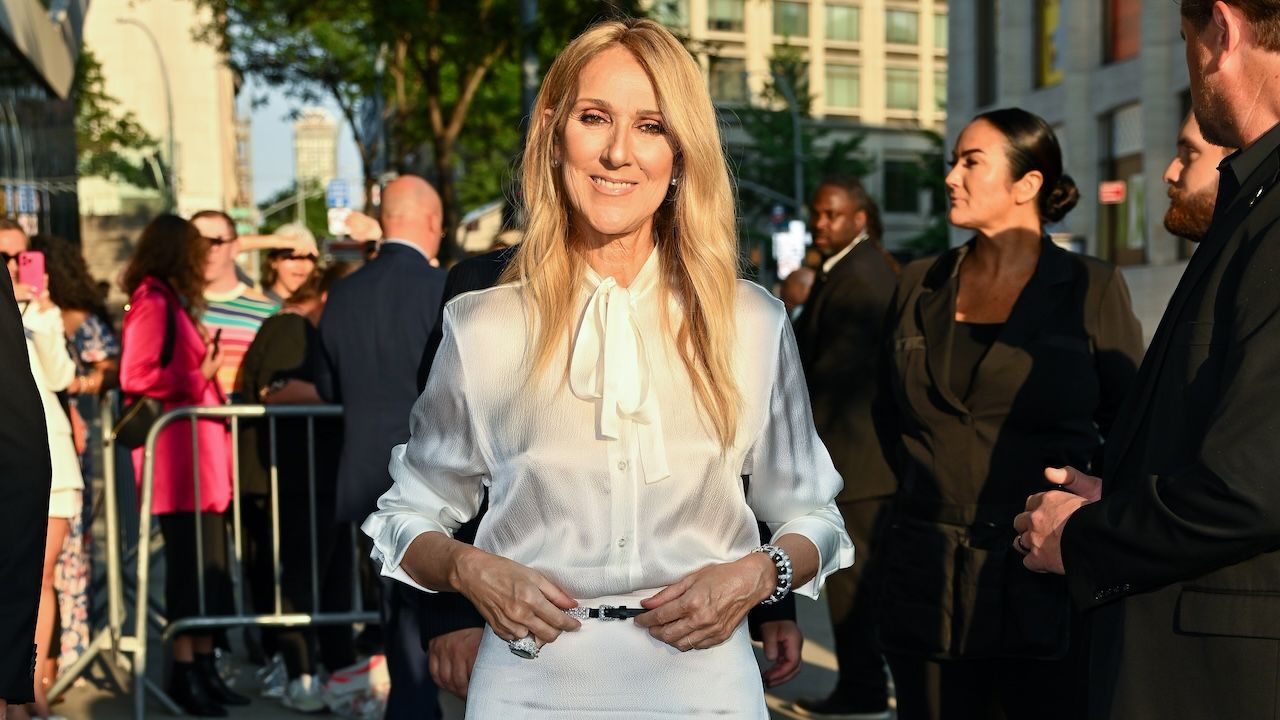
column 413, row 692
column 181, row 589
column 1012, row 689
column 301, row 646
column 853, row 599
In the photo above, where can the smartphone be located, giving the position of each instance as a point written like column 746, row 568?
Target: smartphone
column 31, row 270
column 217, row 340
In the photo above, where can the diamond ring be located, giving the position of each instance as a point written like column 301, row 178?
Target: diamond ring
column 525, row 647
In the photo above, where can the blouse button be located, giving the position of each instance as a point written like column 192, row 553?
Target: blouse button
column 622, row 464
column 622, row 542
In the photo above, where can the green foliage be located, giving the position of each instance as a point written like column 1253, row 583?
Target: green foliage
column 931, row 174
column 448, row 73
column 110, row 143
column 316, row 214
column 769, row 160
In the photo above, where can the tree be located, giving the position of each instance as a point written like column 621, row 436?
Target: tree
column 315, row 214
column 766, row 166
column 931, row 174
column 445, row 74
column 110, row 142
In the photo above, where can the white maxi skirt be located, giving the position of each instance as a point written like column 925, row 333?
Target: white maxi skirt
column 615, row 670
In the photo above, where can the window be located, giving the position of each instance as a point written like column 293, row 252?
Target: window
column 901, row 186
column 726, row 15
column 940, row 91
column 843, row 23
column 902, row 88
column 986, row 44
column 728, row 80
column 791, row 18
column 1123, row 31
column 901, row 27
column 1050, row 42
column 672, row 13
column 843, row 86
column 940, row 32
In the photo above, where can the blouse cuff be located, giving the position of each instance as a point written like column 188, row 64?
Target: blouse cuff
column 391, row 540
column 835, row 549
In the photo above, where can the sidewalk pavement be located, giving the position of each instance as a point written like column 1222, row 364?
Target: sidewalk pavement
column 816, row 679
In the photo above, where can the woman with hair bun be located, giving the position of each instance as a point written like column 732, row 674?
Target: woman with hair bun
column 1009, row 354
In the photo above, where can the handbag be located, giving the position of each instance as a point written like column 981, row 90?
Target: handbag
column 141, row 412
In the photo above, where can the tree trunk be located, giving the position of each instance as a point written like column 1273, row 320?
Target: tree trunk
column 445, row 185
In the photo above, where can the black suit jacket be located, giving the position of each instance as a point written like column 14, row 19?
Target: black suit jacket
column 25, row 474
column 373, row 331
column 839, row 335
column 446, row 612
column 1181, row 557
column 1046, row 393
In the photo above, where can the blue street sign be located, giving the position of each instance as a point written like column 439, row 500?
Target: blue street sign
column 337, row 194
column 26, row 199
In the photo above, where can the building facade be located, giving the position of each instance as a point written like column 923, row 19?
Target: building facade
column 315, row 147
column 1111, row 78
column 877, row 68
column 180, row 89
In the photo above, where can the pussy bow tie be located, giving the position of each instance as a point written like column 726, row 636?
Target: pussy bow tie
column 609, row 365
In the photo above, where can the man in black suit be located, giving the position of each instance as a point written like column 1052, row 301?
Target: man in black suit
column 452, row 627
column 839, row 337
column 1192, row 177
column 1177, row 550
column 374, row 329
column 24, row 493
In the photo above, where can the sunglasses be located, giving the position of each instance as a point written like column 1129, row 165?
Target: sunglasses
column 8, row 258
column 290, row 256
column 217, row 241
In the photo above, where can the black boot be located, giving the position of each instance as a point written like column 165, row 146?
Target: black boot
column 218, row 688
column 188, row 689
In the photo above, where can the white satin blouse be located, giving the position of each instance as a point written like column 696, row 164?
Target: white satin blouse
column 610, row 481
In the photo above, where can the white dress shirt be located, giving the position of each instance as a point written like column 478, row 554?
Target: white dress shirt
column 610, row 480
column 831, row 261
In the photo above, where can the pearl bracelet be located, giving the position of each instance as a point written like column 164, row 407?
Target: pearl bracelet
column 782, row 560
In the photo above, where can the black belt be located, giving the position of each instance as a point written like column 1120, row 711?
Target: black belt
column 605, row 612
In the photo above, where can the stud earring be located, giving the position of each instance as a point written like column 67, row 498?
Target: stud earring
column 674, row 180
column 555, row 162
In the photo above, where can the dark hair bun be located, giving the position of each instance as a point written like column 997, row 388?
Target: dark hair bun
column 1060, row 199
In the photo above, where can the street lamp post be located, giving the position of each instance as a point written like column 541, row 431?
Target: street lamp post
column 171, row 191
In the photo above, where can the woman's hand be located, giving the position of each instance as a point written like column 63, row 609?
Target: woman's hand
column 703, row 608
column 515, row 600
column 212, row 361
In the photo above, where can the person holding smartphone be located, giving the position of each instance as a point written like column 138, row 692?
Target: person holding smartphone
column 165, row 281
column 53, row 370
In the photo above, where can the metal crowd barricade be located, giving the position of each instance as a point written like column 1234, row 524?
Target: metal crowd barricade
column 114, row 638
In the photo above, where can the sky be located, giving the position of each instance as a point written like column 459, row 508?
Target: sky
column 272, row 138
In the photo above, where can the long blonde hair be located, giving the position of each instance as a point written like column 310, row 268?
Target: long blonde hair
column 694, row 227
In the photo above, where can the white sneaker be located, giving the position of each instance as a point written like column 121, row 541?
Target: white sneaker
column 273, row 677
column 303, row 695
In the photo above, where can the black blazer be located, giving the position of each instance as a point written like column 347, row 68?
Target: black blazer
column 1045, row 394
column 25, row 474
column 373, row 331
column 446, row 612
column 1181, row 557
column 839, row 335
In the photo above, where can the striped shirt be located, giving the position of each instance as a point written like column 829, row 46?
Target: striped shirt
column 238, row 314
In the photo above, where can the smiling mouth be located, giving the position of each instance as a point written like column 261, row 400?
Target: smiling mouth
column 611, row 184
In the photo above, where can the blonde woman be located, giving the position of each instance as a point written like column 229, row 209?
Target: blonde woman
column 612, row 426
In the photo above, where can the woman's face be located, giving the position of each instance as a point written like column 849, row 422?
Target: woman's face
column 292, row 271
column 617, row 157
column 980, row 182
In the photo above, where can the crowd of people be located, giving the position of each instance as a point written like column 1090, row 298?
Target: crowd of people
column 603, row 422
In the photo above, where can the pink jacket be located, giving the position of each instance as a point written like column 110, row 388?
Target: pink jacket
column 179, row 384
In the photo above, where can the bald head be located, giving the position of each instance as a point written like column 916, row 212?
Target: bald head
column 411, row 211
